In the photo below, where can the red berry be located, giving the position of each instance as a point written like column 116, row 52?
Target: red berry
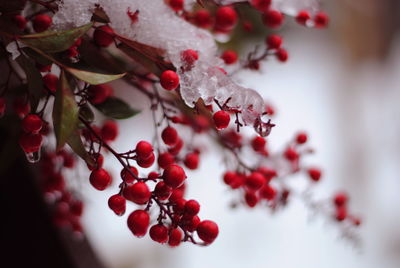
column 169, row 80
column 267, row 172
column 258, row 144
column 41, row 23
column 229, row 177
column 72, row 52
column 221, row 119
column 100, row 179
column 302, row 17
column 138, row 193
column 274, row 41
column 301, row 138
column 176, row 148
column 32, row 123
column 117, row 203
column 225, row 18
column 153, row 175
column 98, row 159
column 50, row 81
column 192, row 160
column 192, row 207
column 176, row 5
column 190, row 223
column 229, row 57
column 268, row 192
column 176, row 195
column 165, row 159
column 179, row 206
column 162, row 190
column 21, row 107
column 76, row 208
column 174, row 176
column 282, row 55
column 144, row 149
column 146, row 163
column 20, row 21
column 207, row 231
column 341, row 213
column 109, row 130
column 30, row 142
column 291, row 154
column 189, row 56
column 43, row 68
column 251, row 199
column 127, row 177
column 321, row 20
column 255, row 180
column 314, row 173
column 138, row 222
column 159, row 233
column 170, row 136
column 175, row 237
column 103, row 36
column 202, row 18
column 340, row 199
column 273, row 18
column 78, row 42
column 99, row 93
column 261, row 5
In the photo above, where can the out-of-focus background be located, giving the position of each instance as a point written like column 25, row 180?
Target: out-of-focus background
column 342, row 86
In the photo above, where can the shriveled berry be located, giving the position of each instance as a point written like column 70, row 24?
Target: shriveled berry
column 273, row 18
column 109, row 130
column 32, row 123
column 221, row 119
column 159, row 233
column 169, row 80
column 274, row 41
column 127, row 177
column 175, row 237
column 192, row 207
column 50, row 81
column 30, row 142
column 207, row 231
column 192, row 160
column 138, row 222
column 174, row 176
column 314, row 173
column 103, row 36
column 41, row 22
column 144, row 149
column 99, row 93
column 229, row 56
column 225, row 18
column 255, row 180
column 100, row 179
column 170, row 136
column 138, row 193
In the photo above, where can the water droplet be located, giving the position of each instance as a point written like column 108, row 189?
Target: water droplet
column 33, row 157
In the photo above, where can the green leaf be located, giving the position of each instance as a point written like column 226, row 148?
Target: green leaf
column 75, row 142
column 93, row 78
column 65, row 112
column 52, row 42
column 35, row 82
column 116, row 109
column 86, row 113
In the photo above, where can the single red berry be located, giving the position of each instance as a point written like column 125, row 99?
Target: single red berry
column 20, row 21
column 103, row 36
column 179, row 206
column 267, row 172
column 282, row 55
column 76, row 208
column 72, row 52
column 153, row 175
column 340, row 199
column 189, row 56
column 127, row 176
column 176, row 5
column 229, row 56
column 50, row 81
column 144, row 149
column 148, row 162
column 176, row 195
column 159, row 233
column 341, row 213
column 273, row 41
column 314, row 173
column 2, row 106
column 291, row 154
column 301, row 138
column 100, row 179
column 321, row 20
column 169, row 80
column 41, row 23
column 138, row 222
column 251, row 199
column 138, row 193
column 43, row 68
column 21, row 107
column 302, row 17
column 117, row 203
column 175, row 237
column 170, row 136
column 255, row 180
column 258, row 144
column 162, row 190
column 273, row 18
column 261, row 5
column 99, row 93
column 32, row 123
column 165, row 159
column 229, row 177
column 174, row 176
column 207, row 231
column 225, row 18
column 192, row 207
column 109, row 130
column 268, row 192
column 202, row 18
column 192, row 161
column 176, row 148
column 190, row 223
column 221, row 119
column 30, row 142
column 270, row 110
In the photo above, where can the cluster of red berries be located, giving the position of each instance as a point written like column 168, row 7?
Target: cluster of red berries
column 31, row 139
column 40, row 23
column 340, row 201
